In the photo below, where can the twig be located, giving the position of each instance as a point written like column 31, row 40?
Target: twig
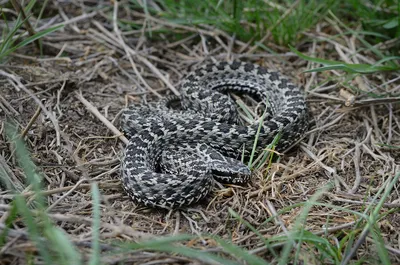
column 279, row 221
column 356, row 160
column 362, row 202
column 31, row 121
column 126, row 49
column 71, row 21
column 103, row 119
column 76, row 186
column 62, row 189
column 331, row 171
column 282, row 179
column 7, row 106
column 8, row 178
column 325, row 126
column 15, row 81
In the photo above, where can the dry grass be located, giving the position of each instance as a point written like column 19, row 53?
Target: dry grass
column 91, row 65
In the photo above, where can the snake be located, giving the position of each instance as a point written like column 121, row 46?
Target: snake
column 181, row 145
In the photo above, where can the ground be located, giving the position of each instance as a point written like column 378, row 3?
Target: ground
column 344, row 163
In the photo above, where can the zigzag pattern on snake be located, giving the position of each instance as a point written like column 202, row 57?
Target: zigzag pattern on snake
column 180, row 145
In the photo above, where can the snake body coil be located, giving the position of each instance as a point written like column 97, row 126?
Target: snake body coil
column 178, row 147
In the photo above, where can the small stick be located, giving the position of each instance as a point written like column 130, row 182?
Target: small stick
column 76, row 186
column 331, row 171
column 8, row 106
column 279, row 221
column 126, row 49
column 60, row 190
column 103, row 119
column 31, row 121
column 356, row 160
column 15, row 81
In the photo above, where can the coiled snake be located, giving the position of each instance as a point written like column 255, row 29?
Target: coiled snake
column 178, row 146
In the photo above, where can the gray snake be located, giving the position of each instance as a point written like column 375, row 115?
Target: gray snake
column 179, row 146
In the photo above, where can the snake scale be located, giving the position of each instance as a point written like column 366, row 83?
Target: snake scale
column 178, row 146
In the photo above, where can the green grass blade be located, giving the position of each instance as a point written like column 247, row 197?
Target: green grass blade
column 60, row 244
column 350, row 68
column 24, row 160
column 323, row 245
column 371, row 222
column 29, row 6
column 95, row 258
column 33, row 229
column 167, row 245
column 357, row 35
column 240, row 253
column 9, row 40
column 8, row 222
column 382, row 252
column 386, row 59
column 254, row 149
column 39, row 225
column 380, row 245
column 299, row 225
column 30, row 39
column 254, row 230
column 168, row 240
column 268, row 153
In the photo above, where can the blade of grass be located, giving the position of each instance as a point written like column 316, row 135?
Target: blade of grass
column 260, row 124
column 8, row 40
column 8, row 222
column 298, row 228
column 33, row 229
column 95, row 257
column 21, row 11
column 60, row 244
column 373, row 218
column 29, row 40
column 361, row 39
column 40, row 224
column 240, row 253
column 166, row 244
column 254, row 230
column 318, row 242
column 23, row 210
column 350, row 68
column 268, row 152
